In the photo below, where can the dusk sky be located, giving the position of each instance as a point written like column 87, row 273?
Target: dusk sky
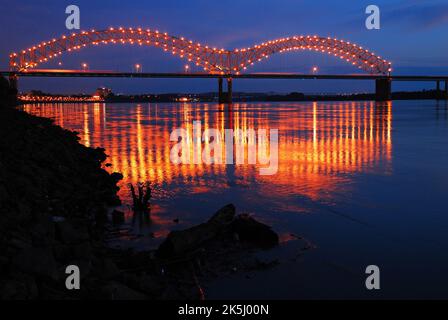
column 413, row 36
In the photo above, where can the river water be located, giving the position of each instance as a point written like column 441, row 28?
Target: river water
column 364, row 183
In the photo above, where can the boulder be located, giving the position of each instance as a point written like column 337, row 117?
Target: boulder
column 185, row 241
column 106, row 269
column 37, row 261
column 118, row 291
column 68, row 233
column 256, row 233
column 21, row 288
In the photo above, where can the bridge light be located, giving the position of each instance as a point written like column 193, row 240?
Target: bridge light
column 315, row 70
column 84, row 66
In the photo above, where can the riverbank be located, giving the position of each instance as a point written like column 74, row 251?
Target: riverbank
column 54, row 197
column 237, row 97
column 54, row 201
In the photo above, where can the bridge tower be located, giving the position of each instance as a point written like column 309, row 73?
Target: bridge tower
column 225, row 97
column 445, row 92
column 441, row 94
column 383, row 89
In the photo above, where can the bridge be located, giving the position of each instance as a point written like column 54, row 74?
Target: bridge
column 215, row 62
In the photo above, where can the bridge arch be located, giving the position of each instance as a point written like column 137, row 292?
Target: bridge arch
column 212, row 60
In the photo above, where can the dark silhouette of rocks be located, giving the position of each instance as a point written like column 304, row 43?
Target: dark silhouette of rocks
column 54, row 200
column 53, row 196
column 8, row 95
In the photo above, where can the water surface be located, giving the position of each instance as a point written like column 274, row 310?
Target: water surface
column 364, row 182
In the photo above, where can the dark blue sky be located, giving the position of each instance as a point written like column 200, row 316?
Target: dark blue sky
column 413, row 36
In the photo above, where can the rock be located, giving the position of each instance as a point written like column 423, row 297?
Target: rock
column 23, row 288
column 223, row 216
column 82, row 251
column 62, row 252
column 37, row 261
column 171, row 293
column 106, row 269
column 57, row 219
column 256, row 233
column 43, row 233
column 118, row 291
column 19, row 243
column 146, row 284
column 185, row 241
column 116, row 176
column 118, row 217
column 150, row 285
column 68, row 233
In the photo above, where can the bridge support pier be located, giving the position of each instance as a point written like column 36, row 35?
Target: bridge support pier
column 220, row 91
column 445, row 93
column 229, row 90
column 438, row 90
column 383, row 89
column 225, row 97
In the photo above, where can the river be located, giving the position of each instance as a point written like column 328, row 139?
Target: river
column 364, row 183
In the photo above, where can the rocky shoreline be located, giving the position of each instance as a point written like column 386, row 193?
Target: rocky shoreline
column 54, row 201
column 54, row 197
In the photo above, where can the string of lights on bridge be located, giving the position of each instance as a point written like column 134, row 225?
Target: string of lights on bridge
column 211, row 59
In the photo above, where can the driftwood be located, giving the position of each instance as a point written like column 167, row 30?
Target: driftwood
column 141, row 201
column 141, row 206
column 182, row 242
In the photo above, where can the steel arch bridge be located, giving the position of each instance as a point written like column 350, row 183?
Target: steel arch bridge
column 212, row 60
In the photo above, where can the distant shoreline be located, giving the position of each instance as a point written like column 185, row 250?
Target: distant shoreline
column 238, row 97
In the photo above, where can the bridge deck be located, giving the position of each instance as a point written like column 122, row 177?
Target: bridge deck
column 112, row 74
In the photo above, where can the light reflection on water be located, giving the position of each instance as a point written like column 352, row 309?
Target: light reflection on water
column 320, row 145
column 365, row 182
